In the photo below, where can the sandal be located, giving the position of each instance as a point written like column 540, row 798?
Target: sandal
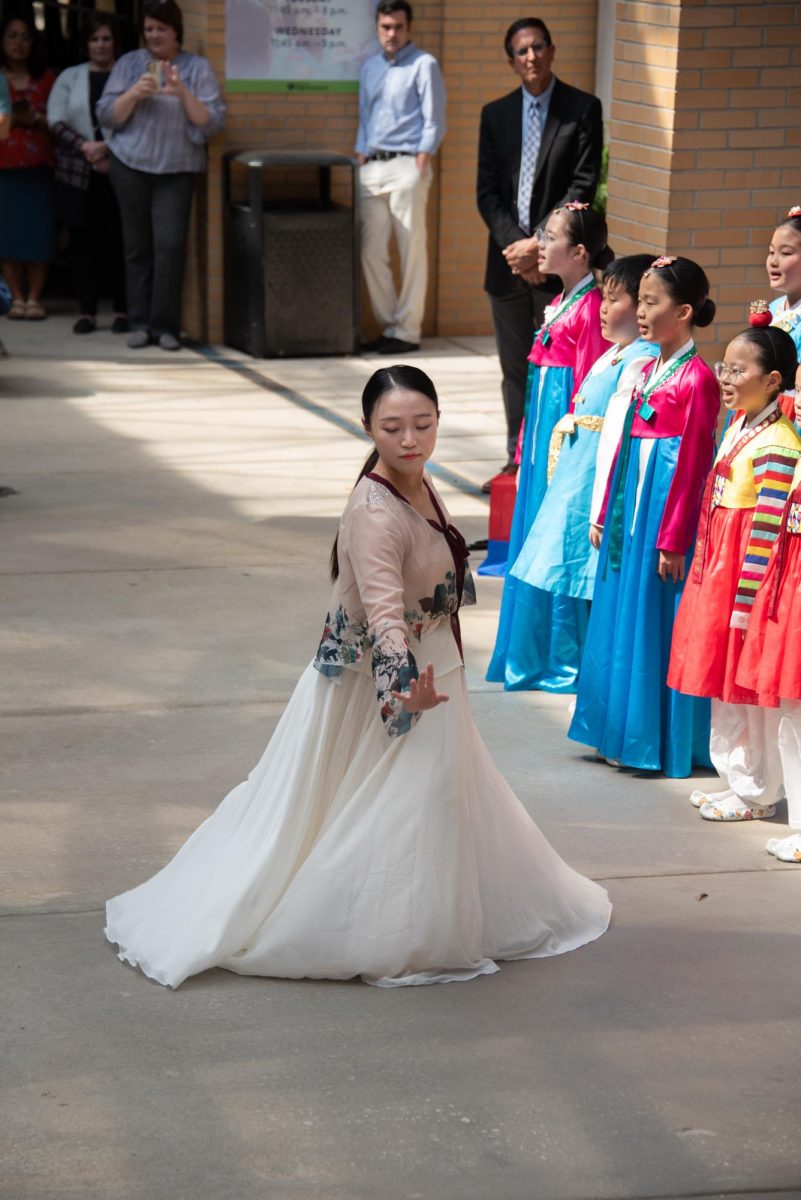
column 34, row 311
column 17, row 310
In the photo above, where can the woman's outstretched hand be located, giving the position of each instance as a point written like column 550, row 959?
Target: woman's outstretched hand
column 421, row 694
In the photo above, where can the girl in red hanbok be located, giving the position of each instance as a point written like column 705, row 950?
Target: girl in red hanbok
column 770, row 663
column 741, row 513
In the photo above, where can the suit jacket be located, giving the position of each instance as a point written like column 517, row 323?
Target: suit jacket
column 568, row 168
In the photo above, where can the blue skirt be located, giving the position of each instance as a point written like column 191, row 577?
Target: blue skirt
column 624, row 707
column 540, row 637
column 27, row 219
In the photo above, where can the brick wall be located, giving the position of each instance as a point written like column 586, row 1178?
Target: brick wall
column 467, row 38
column 704, row 139
column 703, row 136
column 281, row 121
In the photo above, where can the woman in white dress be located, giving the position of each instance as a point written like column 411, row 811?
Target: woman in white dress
column 371, row 840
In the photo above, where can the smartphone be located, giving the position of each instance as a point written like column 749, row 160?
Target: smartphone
column 154, row 68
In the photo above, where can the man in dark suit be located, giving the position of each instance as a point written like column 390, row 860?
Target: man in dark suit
column 539, row 147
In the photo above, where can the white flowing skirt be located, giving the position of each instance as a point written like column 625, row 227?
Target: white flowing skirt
column 348, row 853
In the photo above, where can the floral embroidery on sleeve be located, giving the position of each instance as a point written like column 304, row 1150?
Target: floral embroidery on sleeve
column 393, row 672
column 343, row 643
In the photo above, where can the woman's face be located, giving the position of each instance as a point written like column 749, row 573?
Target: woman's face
column 784, row 261
column 17, row 44
column 101, row 47
column 744, row 383
column 160, row 39
column 556, row 253
column 403, row 426
column 659, row 317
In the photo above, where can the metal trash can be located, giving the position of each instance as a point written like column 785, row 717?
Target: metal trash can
column 292, row 283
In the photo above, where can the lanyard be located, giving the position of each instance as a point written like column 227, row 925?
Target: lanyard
column 643, row 394
column 564, row 307
column 639, row 405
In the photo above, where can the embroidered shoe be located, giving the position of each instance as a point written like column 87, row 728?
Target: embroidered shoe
column 735, row 809
column 786, row 849
column 697, row 798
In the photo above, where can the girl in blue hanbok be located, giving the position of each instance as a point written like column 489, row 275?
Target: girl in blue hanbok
column 649, row 516
column 784, row 274
column 540, row 636
column 558, row 555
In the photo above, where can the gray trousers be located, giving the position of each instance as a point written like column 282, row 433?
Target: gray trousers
column 516, row 317
column 155, row 211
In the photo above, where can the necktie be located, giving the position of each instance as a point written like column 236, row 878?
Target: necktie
column 528, row 163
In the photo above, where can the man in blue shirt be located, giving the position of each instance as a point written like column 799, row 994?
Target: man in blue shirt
column 401, row 126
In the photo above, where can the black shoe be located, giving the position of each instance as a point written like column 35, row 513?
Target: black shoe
column 397, row 346
column 84, row 325
column 373, row 347
column 509, row 469
column 120, row 325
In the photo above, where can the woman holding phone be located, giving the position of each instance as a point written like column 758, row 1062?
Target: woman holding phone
column 162, row 105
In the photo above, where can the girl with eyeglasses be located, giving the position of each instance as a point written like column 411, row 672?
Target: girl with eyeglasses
column 649, row 517
column 540, row 637
column 741, row 513
column 770, row 664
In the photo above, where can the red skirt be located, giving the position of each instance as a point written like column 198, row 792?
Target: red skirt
column 771, row 660
column 705, row 651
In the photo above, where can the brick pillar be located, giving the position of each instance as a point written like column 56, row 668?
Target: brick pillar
column 703, row 139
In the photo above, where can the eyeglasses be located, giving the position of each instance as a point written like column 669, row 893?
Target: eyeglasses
column 543, row 237
column 535, row 47
column 724, row 371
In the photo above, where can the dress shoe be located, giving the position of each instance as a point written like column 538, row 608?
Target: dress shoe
column 168, row 341
column 374, row 346
column 84, row 325
column 138, row 339
column 390, row 345
column 509, row 469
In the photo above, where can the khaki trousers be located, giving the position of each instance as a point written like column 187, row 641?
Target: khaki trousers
column 393, row 197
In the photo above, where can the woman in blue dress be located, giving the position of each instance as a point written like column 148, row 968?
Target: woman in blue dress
column 558, row 555
column 650, row 515
column 540, row 637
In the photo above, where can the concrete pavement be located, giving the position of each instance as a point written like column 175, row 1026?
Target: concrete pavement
column 163, row 582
